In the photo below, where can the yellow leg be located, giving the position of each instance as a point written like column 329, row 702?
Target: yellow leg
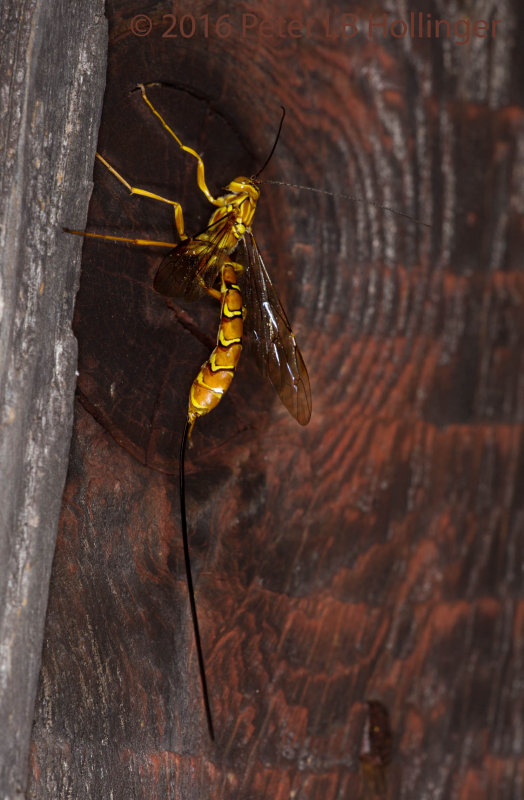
column 201, row 180
column 211, row 292
column 143, row 242
column 179, row 217
column 150, row 242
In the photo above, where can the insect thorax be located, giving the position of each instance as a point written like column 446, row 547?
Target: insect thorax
column 241, row 202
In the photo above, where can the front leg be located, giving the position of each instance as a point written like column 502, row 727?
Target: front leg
column 201, row 180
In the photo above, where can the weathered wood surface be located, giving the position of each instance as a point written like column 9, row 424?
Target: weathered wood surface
column 51, row 83
column 375, row 554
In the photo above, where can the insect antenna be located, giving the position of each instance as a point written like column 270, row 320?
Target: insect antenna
column 190, row 590
column 277, row 137
column 354, row 198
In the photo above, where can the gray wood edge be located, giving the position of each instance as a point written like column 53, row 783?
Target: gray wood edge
column 52, row 75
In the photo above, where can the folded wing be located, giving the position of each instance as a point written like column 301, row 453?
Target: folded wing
column 193, row 265
column 271, row 338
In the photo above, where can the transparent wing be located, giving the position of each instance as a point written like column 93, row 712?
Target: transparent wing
column 271, row 338
column 194, row 264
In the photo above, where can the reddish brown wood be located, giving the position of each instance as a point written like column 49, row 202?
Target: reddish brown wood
column 375, row 554
column 377, row 745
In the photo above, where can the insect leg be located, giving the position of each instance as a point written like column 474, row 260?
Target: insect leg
column 141, row 242
column 201, row 180
column 179, row 217
column 210, row 291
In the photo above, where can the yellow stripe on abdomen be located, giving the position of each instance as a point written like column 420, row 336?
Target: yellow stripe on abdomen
column 216, row 374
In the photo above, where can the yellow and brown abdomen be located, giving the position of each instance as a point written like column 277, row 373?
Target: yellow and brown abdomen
column 216, row 374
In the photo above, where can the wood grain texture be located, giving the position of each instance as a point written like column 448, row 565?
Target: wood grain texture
column 375, row 554
column 48, row 130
